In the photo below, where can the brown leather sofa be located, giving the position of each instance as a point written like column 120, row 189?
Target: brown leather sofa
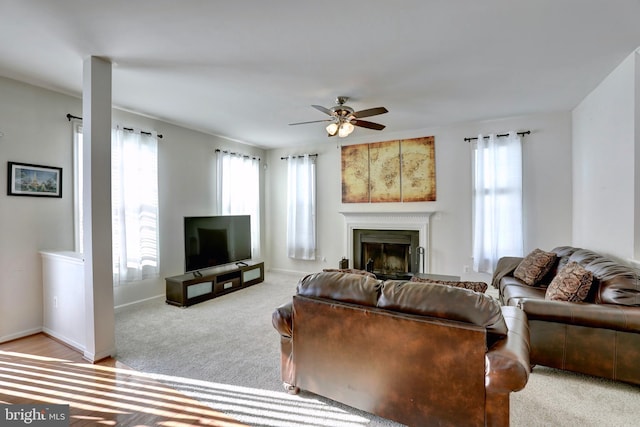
column 598, row 336
column 417, row 353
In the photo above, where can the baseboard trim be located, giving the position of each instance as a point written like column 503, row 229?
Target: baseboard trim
column 97, row 357
column 64, row 340
column 282, row 270
column 19, row 335
column 133, row 303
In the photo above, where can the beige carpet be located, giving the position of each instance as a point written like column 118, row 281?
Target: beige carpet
column 225, row 353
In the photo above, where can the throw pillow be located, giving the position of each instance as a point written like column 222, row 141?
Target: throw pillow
column 474, row 286
column 534, row 266
column 572, row 284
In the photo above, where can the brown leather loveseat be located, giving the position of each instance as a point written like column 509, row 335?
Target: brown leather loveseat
column 417, row 353
column 588, row 322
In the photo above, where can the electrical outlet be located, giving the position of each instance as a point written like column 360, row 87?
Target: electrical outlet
column 466, row 268
column 55, row 302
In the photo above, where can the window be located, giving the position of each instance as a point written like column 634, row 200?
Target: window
column 78, row 172
column 134, row 194
column 497, row 200
column 301, row 207
column 238, row 190
column 134, row 189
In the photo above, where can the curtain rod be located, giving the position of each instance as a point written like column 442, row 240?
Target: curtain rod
column 526, row 132
column 70, row 116
column 298, row 157
column 237, row 154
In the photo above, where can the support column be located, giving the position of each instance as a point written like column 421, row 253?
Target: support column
column 96, row 130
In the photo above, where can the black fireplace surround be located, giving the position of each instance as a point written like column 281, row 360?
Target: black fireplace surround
column 389, row 254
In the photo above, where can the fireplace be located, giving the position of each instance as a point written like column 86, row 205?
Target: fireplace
column 396, row 238
column 389, row 254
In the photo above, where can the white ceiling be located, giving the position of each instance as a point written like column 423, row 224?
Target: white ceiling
column 245, row 69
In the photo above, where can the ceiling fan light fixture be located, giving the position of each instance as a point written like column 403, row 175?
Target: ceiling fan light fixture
column 345, row 129
column 343, row 119
column 332, row 129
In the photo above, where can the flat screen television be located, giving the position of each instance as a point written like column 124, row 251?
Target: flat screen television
column 216, row 240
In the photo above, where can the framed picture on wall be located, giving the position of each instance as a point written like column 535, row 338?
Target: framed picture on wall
column 25, row 179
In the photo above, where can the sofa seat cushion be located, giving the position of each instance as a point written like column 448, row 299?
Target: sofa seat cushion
column 346, row 287
column 512, row 290
column 606, row 316
column 445, row 302
column 572, row 284
column 534, row 267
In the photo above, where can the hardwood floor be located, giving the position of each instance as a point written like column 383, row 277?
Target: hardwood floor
column 40, row 370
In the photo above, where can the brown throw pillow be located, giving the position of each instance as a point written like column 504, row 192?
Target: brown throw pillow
column 534, row 266
column 474, row 286
column 572, row 284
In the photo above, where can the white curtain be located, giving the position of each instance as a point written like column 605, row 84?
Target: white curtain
column 301, row 207
column 238, row 190
column 497, row 204
column 134, row 190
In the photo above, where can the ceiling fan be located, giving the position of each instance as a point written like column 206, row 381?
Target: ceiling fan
column 344, row 118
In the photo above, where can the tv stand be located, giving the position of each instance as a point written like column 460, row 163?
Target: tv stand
column 202, row 285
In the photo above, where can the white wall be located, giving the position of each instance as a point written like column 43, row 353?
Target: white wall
column 547, row 192
column 36, row 130
column 606, row 163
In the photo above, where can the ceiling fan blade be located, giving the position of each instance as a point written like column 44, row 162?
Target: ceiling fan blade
column 370, row 112
column 366, row 124
column 323, row 109
column 312, row 121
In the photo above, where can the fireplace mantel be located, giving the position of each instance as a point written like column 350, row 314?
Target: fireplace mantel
column 388, row 221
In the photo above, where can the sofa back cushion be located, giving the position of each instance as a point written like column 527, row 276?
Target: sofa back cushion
column 350, row 270
column 613, row 282
column 445, row 302
column 346, row 287
column 617, row 283
column 563, row 253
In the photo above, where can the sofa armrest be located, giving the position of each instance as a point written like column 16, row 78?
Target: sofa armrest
column 506, row 266
column 282, row 320
column 607, row 316
column 507, row 361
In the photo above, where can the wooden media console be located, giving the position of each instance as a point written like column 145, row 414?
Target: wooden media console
column 192, row 288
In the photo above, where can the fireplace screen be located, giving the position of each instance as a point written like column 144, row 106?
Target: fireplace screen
column 387, row 258
column 387, row 253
